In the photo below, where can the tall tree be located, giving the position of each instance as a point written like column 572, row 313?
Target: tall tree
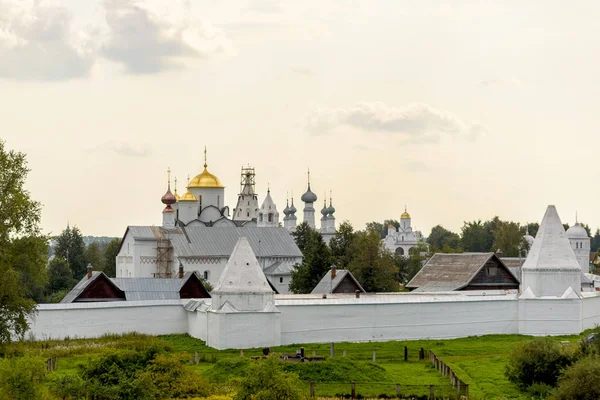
column 341, row 245
column 94, row 256
column 441, row 237
column 70, row 246
column 22, row 246
column 418, row 255
column 476, row 237
column 508, row 237
column 373, row 266
column 595, row 241
column 532, row 227
column 60, row 276
column 110, row 257
column 316, row 262
column 377, row 227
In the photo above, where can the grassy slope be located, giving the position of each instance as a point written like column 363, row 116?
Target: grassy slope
column 479, row 361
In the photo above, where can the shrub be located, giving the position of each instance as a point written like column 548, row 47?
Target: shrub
column 266, row 380
column 539, row 361
column 21, row 378
column 580, row 381
column 67, row 387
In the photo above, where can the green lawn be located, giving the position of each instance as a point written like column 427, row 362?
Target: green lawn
column 478, row 361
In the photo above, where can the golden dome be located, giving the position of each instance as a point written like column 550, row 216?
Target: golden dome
column 188, row 196
column 405, row 214
column 205, row 180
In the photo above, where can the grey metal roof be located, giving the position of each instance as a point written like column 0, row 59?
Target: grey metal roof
column 220, row 241
column 279, row 268
column 136, row 289
column 328, row 285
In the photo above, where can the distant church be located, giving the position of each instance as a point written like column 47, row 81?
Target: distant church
column 401, row 240
column 198, row 232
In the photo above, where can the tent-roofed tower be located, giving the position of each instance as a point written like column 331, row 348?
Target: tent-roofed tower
column 268, row 216
column 551, row 267
column 247, row 204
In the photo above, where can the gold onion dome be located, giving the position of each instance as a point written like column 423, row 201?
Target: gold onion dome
column 405, row 214
column 188, row 196
column 205, row 180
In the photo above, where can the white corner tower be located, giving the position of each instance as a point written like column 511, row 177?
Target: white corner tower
column 309, row 199
column 551, row 269
column 268, row 216
column 243, row 312
column 247, row 204
column 580, row 243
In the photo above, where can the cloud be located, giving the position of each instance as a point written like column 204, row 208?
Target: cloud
column 147, row 38
column 39, row 41
column 512, row 82
column 416, row 123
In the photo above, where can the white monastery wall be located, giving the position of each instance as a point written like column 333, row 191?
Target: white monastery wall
column 400, row 317
column 550, row 316
column 198, row 324
column 237, row 330
column 591, row 310
column 57, row 321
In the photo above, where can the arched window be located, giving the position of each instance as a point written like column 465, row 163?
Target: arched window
column 270, row 217
column 400, row 251
column 205, row 275
column 281, row 279
column 260, row 217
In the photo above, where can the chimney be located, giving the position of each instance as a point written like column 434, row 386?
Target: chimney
column 357, row 294
column 180, row 271
column 90, row 269
column 499, row 253
column 333, row 271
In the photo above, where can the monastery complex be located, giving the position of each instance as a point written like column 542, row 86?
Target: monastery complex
column 248, row 258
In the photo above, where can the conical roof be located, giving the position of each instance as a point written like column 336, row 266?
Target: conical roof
column 242, row 274
column 551, row 248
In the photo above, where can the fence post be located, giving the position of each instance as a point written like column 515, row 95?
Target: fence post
column 467, row 391
column 312, row 388
column 353, row 390
column 405, row 353
column 421, row 354
column 344, row 353
column 331, row 350
column 374, row 356
column 241, row 353
column 431, row 392
column 458, row 385
column 398, row 390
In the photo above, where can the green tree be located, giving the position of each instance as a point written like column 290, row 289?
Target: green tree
column 110, row 257
column 532, row 228
column 377, row 227
column 94, row 256
column 341, row 245
column 316, row 261
column 22, row 247
column 441, row 237
column 509, row 238
column 537, row 362
column 70, row 246
column 59, row 275
column 21, row 378
column 266, row 380
column 580, row 381
column 417, row 256
column 476, row 237
column 373, row 266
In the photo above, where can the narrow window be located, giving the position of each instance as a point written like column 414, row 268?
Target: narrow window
column 260, row 217
column 218, row 200
column 281, row 279
column 205, row 274
column 270, row 217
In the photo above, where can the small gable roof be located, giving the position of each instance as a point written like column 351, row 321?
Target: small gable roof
column 328, row 285
column 448, row 272
column 137, row 288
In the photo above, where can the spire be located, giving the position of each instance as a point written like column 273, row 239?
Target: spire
column 205, row 164
column 576, row 220
column 169, row 178
column 309, row 177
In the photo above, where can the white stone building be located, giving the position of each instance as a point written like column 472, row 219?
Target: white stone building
column 580, row 243
column 401, row 240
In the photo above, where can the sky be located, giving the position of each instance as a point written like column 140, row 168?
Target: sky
column 459, row 110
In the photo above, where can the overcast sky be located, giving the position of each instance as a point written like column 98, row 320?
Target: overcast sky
column 461, row 110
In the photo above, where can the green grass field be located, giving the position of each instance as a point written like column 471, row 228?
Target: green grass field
column 478, row 361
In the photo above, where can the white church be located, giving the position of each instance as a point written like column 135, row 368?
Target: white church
column 401, row 240
column 198, row 232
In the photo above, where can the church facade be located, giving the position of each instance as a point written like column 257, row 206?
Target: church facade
column 198, row 232
column 401, row 240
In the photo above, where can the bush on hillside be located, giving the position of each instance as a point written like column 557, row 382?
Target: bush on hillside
column 22, row 378
column 266, row 380
column 580, row 381
column 540, row 361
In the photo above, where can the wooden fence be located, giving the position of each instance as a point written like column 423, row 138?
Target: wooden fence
column 460, row 386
